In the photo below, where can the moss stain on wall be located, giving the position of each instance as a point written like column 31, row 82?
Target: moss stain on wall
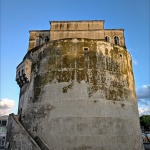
column 67, row 61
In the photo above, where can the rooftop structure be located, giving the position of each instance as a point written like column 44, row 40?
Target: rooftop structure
column 76, row 29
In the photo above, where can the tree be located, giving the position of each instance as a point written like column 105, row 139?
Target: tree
column 145, row 121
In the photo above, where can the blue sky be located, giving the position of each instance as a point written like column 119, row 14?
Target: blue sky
column 18, row 17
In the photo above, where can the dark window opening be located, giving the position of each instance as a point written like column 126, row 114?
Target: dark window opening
column 120, row 55
column 3, row 122
column 46, row 39
column 107, row 39
column 3, row 143
column 22, row 71
column 116, row 40
column 85, row 49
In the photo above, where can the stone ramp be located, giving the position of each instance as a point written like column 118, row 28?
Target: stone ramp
column 41, row 143
column 22, row 139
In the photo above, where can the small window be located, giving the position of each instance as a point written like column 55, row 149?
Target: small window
column 3, row 143
column 85, row 49
column 22, row 71
column 46, row 39
column 4, row 122
column 116, row 40
column 107, row 39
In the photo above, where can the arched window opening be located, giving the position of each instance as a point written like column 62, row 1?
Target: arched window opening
column 22, row 71
column 107, row 39
column 116, row 40
column 46, row 39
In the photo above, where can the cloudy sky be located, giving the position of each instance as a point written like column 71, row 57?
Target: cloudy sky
column 7, row 106
column 143, row 95
column 18, row 17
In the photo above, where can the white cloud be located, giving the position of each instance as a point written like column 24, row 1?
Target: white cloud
column 143, row 95
column 143, row 92
column 144, row 111
column 6, row 106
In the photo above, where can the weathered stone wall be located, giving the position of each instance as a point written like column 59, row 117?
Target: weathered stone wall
column 56, row 35
column 38, row 37
column 17, row 136
column 111, row 33
column 76, row 25
column 81, row 96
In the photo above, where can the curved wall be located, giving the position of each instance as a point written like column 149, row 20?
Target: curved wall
column 81, row 95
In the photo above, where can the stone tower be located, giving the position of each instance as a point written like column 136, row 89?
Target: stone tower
column 76, row 91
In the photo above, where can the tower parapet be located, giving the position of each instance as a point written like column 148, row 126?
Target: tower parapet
column 86, row 29
column 76, row 29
